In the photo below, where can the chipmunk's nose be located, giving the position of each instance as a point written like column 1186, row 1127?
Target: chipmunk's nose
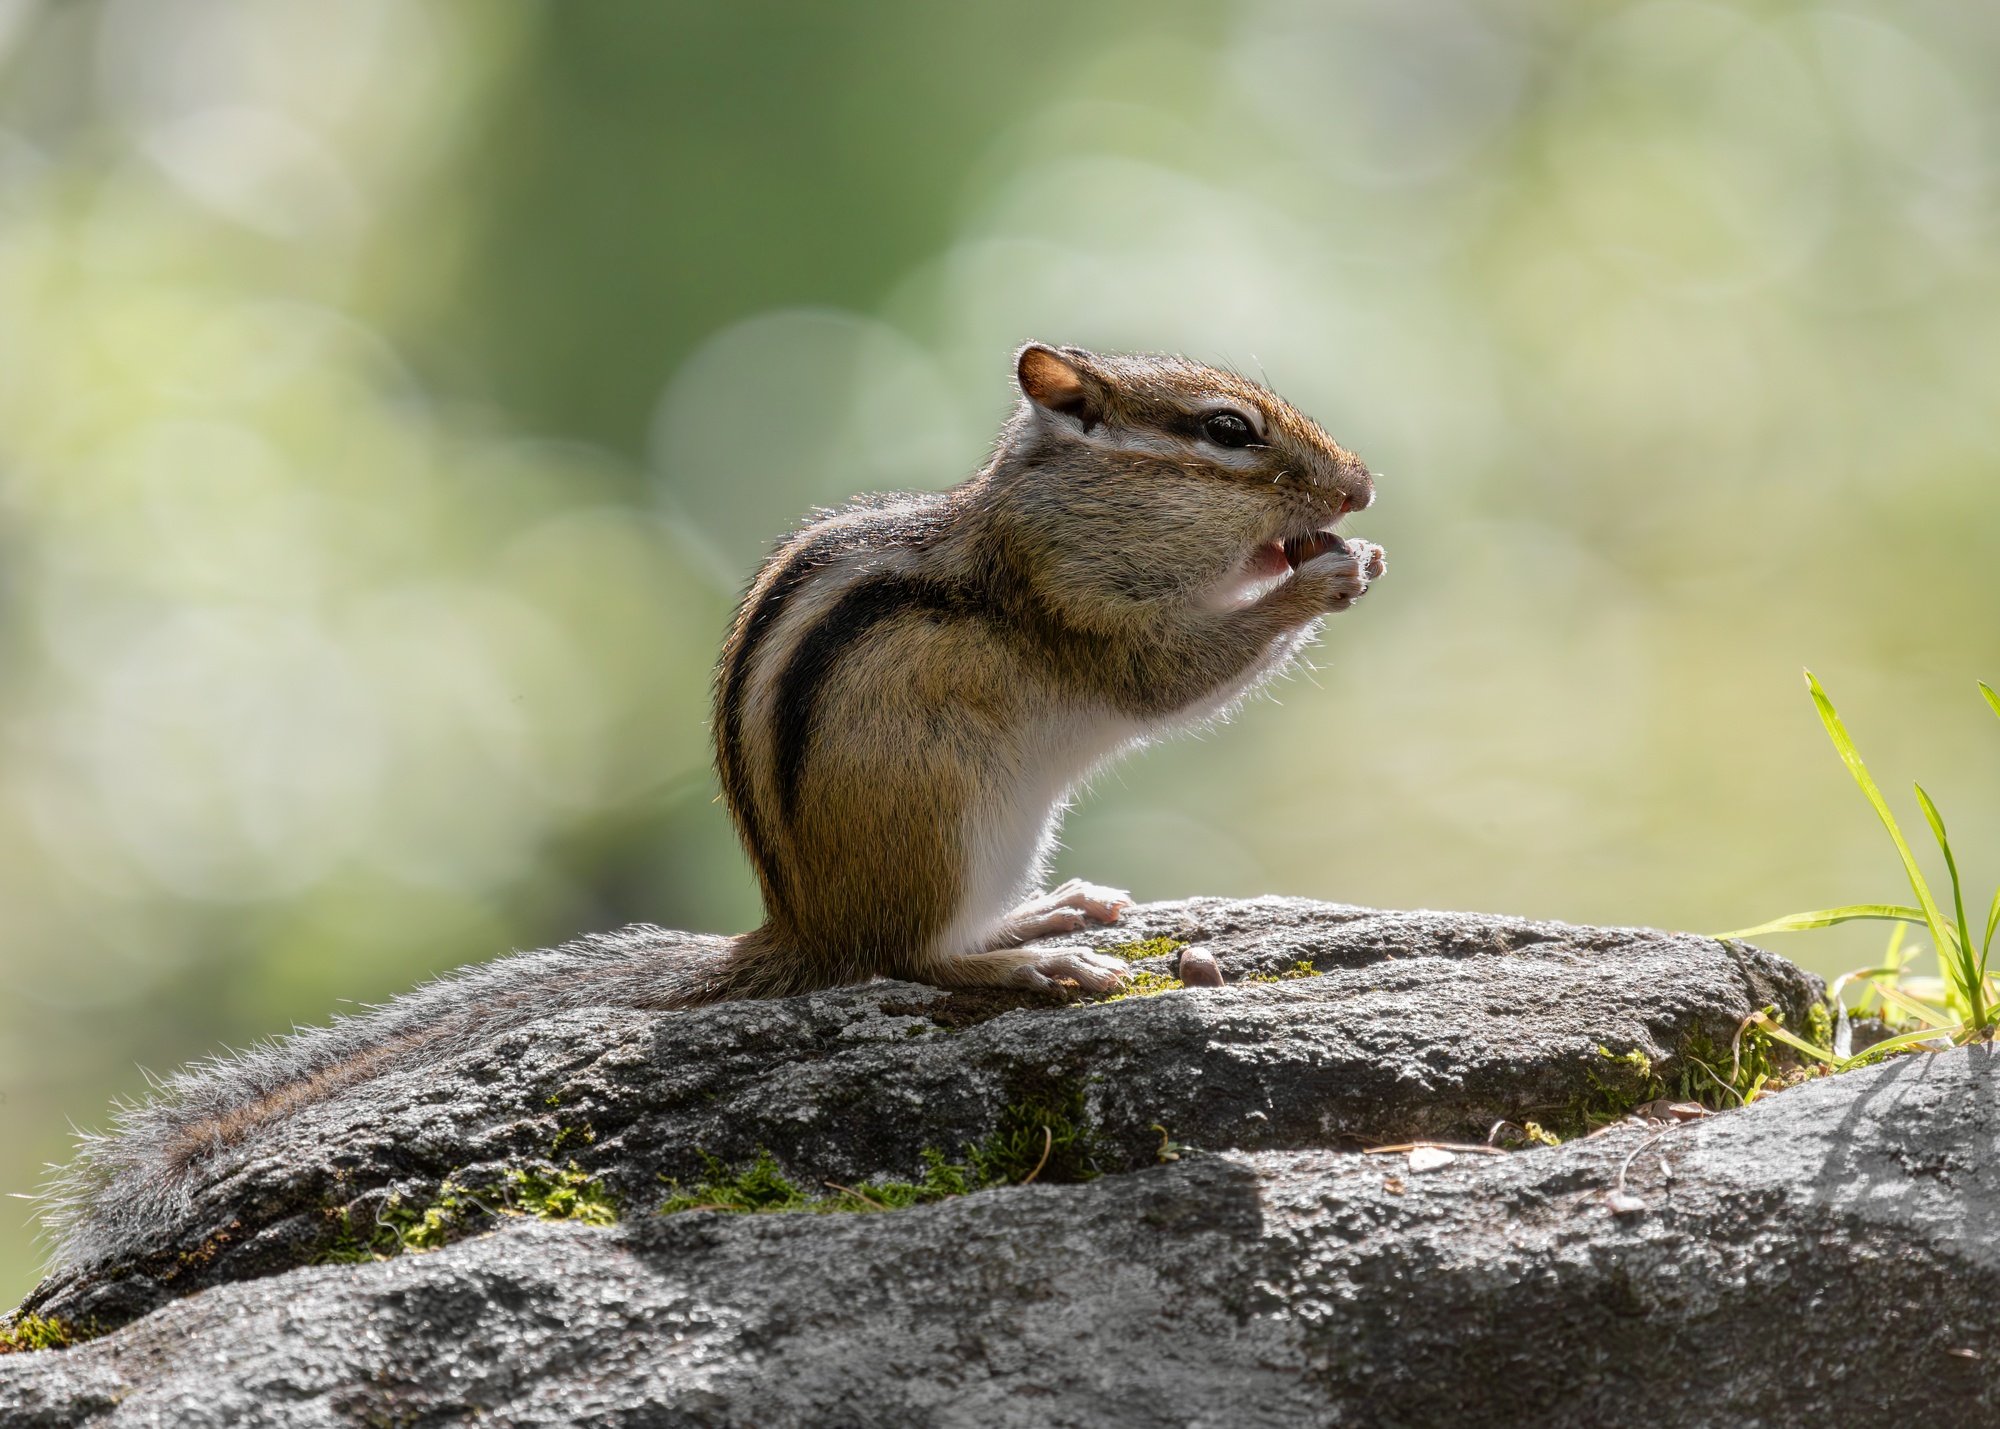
column 1358, row 483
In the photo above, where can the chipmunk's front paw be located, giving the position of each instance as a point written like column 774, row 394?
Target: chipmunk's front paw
column 1065, row 910
column 1342, row 576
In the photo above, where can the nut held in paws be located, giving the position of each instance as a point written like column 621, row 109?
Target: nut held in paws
column 1198, row 968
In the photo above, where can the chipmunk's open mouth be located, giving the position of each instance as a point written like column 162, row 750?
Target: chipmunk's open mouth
column 1270, row 565
column 1300, row 549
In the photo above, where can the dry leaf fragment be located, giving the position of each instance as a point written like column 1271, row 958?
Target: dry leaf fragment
column 1664, row 1109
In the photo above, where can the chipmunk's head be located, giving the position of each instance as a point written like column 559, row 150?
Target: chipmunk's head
column 1220, row 457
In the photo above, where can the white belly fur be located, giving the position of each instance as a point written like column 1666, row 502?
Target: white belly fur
column 1010, row 838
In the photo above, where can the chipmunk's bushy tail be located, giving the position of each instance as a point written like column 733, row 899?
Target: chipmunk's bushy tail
column 129, row 1188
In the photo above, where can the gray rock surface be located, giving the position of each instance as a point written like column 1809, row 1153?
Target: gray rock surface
column 1832, row 1241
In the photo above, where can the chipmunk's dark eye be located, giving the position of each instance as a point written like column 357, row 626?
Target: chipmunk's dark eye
column 1226, row 429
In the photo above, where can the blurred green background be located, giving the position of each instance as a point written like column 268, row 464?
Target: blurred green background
column 392, row 398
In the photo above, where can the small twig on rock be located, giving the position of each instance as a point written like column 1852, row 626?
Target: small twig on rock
column 858, row 1195
column 1403, row 1146
column 1621, row 1201
column 1048, row 1145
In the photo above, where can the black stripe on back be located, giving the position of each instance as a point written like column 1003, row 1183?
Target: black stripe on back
column 810, row 557
column 818, row 652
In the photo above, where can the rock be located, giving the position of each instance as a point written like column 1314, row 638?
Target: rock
column 1828, row 1248
column 1233, row 1260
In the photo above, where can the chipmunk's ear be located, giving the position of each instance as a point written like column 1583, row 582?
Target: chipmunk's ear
column 1059, row 382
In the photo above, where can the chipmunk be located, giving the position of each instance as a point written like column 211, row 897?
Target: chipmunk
column 909, row 692
column 913, row 685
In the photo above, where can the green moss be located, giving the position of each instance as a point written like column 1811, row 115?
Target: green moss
column 1718, row 1078
column 351, row 1244
column 568, row 1195
column 458, row 1211
column 1699, row 1071
column 584, row 1133
column 1538, row 1135
column 759, row 1187
column 943, row 1177
column 763, row 1188
column 1045, row 1136
column 1615, row 1082
column 1300, row 969
column 1146, row 984
column 40, row 1332
column 429, row 1227
column 1145, row 948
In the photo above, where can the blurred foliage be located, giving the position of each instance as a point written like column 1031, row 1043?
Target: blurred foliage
column 392, row 398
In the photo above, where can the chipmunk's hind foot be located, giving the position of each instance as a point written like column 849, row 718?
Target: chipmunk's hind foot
column 1058, row 970
column 1067, row 909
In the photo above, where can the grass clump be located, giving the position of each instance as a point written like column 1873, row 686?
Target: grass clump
column 1960, row 1005
column 39, row 1332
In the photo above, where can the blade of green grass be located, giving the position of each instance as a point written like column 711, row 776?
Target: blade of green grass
column 1843, row 743
column 1916, row 1007
column 1964, row 967
column 1775, row 1031
column 1900, row 1041
column 1827, row 917
column 1993, row 914
column 1839, row 984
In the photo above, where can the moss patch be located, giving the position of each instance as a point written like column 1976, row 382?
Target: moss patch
column 1145, row 948
column 1699, row 1071
column 762, row 1188
column 1043, row 1137
column 568, row 1195
column 1300, row 969
column 40, row 1332
column 459, row 1210
column 1046, row 1136
column 1146, row 984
